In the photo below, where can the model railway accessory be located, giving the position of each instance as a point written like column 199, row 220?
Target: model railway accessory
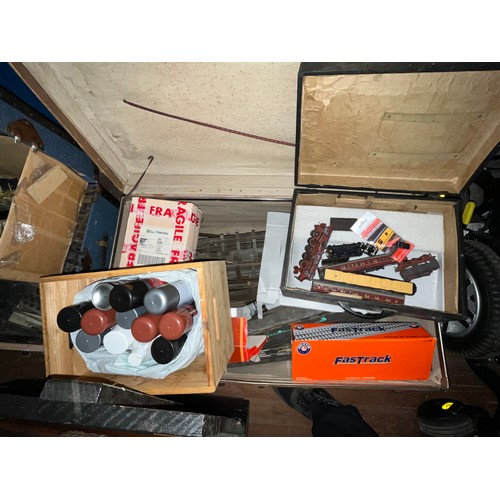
column 356, row 292
column 359, row 265
column 366, row 280
column 374, row 231
column 418, row 267
column 342, row 223
column 334, row 331
column 313, row 252
column 370, row 351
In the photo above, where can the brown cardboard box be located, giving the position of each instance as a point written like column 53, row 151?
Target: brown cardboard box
column 42, row 219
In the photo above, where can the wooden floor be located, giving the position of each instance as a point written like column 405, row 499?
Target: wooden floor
column 392, row 413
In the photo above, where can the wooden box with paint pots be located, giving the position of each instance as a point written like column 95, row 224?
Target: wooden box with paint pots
column 202, row 375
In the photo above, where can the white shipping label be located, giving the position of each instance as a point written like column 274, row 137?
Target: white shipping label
column 155, row 241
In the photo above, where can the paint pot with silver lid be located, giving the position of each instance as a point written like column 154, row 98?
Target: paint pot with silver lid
column 88, row 343
column 100, row 295
column 125, row 319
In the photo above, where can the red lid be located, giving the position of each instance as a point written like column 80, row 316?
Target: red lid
column 174, row 324
column 145, row 327
column 95, row 321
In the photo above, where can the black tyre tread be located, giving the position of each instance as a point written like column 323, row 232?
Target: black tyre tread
column 483, row 341
column 489, row 240
column 463, row 429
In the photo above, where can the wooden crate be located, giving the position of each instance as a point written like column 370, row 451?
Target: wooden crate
column 201, row 376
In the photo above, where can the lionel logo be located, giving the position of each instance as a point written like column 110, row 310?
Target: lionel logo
column 362, row 360
column 304, row 348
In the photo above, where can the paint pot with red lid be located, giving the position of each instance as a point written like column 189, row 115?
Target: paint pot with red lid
column 96, row 322
column 175, row 324
column 145, row 328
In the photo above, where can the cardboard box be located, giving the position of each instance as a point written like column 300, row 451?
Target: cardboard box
column 201, row 376
column 358, row 351
column 399, row 141
column 158, row 231
column 41, row 220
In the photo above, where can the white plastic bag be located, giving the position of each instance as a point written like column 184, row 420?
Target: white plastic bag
column 101, row 361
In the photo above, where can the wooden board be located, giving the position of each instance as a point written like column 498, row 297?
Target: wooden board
column 191, row 161
column 418, row 132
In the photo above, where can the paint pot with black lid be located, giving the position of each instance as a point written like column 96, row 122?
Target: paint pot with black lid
column 69, row 318
column 130, row 295
column 164, row 351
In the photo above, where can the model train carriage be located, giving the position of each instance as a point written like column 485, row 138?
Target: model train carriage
column 418, row 267
column 313, row 252
column 365, row 280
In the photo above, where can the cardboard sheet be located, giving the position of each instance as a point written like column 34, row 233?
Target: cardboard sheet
column 419, row 132
column 41, row 220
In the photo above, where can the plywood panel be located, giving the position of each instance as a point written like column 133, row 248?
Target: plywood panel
column 254, row 98
column 412, row 131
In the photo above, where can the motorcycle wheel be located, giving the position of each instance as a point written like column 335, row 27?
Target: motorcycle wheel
column 478, row 336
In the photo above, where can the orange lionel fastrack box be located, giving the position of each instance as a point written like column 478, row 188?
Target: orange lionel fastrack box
column 361, row 351
column 160, row 231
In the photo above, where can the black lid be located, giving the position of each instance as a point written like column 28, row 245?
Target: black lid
column 163, row 351
column 128, row 296
column 68, row 318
